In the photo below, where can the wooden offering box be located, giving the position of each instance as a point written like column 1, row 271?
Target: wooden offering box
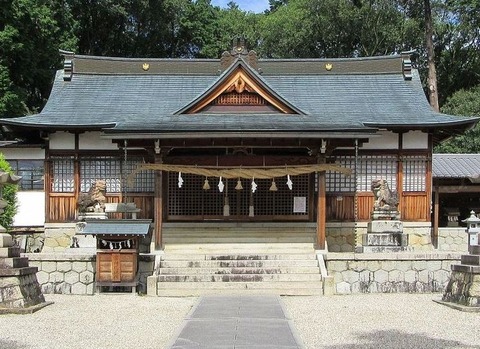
column 117, row 250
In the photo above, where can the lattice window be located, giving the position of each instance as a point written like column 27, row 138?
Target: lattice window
column 114, row 171
column 234, row 98
column 337, row 181
column 31, row 172
column 63, row 175
column 372, row 167
column 414, row 173
column 192, row 200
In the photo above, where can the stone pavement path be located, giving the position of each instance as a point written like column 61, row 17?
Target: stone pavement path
column 240, row 322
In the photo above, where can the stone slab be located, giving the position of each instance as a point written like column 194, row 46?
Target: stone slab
column 385, row 239
column 385, row 226
column 252, row 322
column 13, row 262
column 18, row 271
column 466, row 268
column 27, row 310
column 460, row 307
column 6, row 240
column 474, row 249
column 381, row 249
column 469, row 259
column 9, row 252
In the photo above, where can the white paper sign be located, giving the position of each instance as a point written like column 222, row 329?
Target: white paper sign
column 299, row 204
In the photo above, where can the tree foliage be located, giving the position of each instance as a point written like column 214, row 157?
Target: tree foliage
column 466, row 103
column 9, row 194
column 32, row 31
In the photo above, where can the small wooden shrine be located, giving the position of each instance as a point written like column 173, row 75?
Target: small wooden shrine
column 117, row 250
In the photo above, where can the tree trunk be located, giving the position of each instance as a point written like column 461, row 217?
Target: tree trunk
column 432, row 74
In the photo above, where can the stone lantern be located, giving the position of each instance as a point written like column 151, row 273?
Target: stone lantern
column 19, row 288
column 473, row 229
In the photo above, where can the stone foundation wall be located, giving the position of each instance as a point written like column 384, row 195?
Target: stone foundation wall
column 390, row 272
column 453, row 239
column 69, row 273
column 344, row 237
column 58, row 237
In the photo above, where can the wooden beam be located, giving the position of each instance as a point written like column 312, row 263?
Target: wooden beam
column 321, row 211
column 458, row 189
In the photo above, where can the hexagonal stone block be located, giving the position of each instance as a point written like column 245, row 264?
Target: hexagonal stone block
column 79, row 288
column 396, row 276
column 64, row 266
column 42, row 277
column 424, row 276
column 410, row 276
column 49, row 266
column 90, row 289
column 344, row 288
column 389, row 265
column 71, row 277
column 441, row 276
column 350, row 276
column 79, row 266
column 381, row 276
column 55, row 277
column 86, row 277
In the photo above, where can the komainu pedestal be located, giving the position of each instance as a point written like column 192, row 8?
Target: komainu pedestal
column 385, row 230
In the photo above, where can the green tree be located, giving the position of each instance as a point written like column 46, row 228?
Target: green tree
column 465, row 103
column 30, row 37
column 9, row 194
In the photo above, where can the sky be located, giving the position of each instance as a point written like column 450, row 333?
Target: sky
column 256, row 6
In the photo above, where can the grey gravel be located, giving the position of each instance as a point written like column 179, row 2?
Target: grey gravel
column 126, row 321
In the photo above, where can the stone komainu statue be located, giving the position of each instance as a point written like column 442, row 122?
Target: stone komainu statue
column 385, row 199
column 94, row 200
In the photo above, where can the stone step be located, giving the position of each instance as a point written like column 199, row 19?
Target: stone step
column 14, row 262
column 232, row 248
column 381, row 249
column 250, row 270
column 9, row 252
column 267, row 285
column 173, row 292
column 238, row 263
column 223, row 257
column 240, row 278
column 470, row 259
column 236, row 239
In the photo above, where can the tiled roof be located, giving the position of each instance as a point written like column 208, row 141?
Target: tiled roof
column 356, row 94
column 118, row 227
column 456, row 165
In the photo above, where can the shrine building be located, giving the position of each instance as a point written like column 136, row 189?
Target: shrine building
column 235, row 144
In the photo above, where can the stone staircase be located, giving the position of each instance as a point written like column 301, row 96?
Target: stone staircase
column 237, row 260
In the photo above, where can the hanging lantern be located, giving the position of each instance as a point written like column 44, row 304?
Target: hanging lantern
column 206, row 185
column 289, row 182
column 273, row 187
column 239, row 185
column 220, row 185
column 180, row 179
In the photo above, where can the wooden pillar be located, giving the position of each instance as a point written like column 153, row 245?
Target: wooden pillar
column 399, row 188
column 76, row 175
column 321, row 211
column 158, row 205
column 436, row 207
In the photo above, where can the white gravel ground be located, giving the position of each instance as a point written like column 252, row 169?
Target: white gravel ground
column 384, row 321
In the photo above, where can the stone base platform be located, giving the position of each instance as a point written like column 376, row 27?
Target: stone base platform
column 463, row 289
column 384, row 236
column 19, row 287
